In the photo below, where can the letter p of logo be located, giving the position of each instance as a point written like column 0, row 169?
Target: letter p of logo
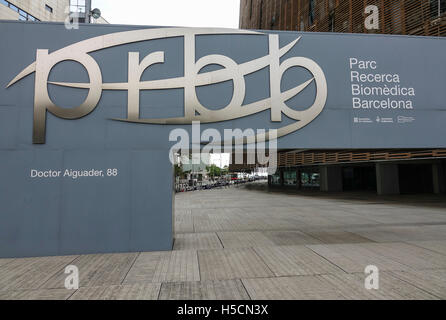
column 42, row 102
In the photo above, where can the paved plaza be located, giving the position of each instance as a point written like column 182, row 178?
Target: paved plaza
column 248, row 242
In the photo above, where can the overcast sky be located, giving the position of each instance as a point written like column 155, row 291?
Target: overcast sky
column 182, row 13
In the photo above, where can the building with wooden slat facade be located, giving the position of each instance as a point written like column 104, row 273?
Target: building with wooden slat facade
column 384, row 171
column 408, row 17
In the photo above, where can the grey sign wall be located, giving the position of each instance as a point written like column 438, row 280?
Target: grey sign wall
column 85, row 116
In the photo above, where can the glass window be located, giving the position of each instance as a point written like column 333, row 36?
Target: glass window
column 331, row 22
column 31, row 18
column 23, row 14
column 438, row 7
column 48, row 8
column 13, row 7
column 77, row 6
column 309, row 179
column 22, row 18
column 311, row 13
column 289, row 177
column 275, row 179
column 3, row 2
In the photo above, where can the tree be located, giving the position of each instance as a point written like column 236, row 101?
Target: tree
column 213, row 170
column 178, row 170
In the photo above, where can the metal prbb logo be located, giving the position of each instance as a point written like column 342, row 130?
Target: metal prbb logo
column 193, row 109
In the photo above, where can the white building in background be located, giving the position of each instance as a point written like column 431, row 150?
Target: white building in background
column 46, row 10
column 34, row 10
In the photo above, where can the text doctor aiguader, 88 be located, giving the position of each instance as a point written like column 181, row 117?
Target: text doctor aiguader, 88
column 73, row 174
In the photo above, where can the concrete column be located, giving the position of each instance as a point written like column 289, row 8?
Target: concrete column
column 298, row 186
column 330, row 178
column 438, row 178
column 87, row 11
column 387, row 178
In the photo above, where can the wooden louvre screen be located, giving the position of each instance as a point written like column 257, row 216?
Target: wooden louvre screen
column 407, row 17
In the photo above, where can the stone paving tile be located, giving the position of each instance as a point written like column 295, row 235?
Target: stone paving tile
column 382, row 234
column 39, row 294
column 336, row 236
column 303, row 244
column 386, row 256
column 247, row 223
column 395, row 216
column 438, row 246
column 390, row 287
column 31, row 273
column 432, row 281
column 295, row 260
column 343, row 218
column 355, row 257
column 290, row 238
column 278, row 224
column 244, row 239
column 403, row 233
column 394, row 213
column 231, row 264
column 97, row 270
column 164, row 266
column 303, row 222
column 205, row 224
column 183, row 221
column 204, row 212
column 197, row 241
column 204, row 290
column 331, row 286
column 290, row 288
column 5, row 261
column 410, row 255
column 138, row 291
